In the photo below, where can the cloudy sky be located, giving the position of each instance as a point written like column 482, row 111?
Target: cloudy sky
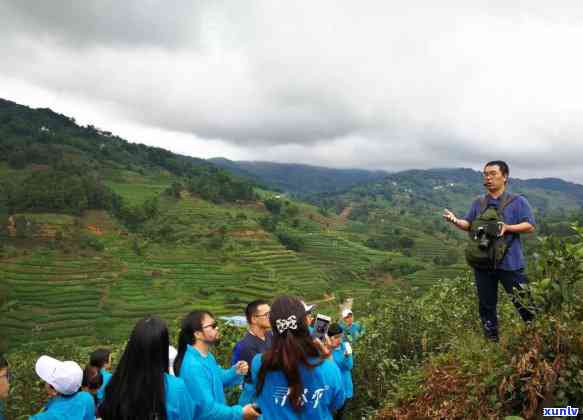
column 370, row 84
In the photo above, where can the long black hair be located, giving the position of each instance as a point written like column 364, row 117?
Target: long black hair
column 136, row 389
column 290, row 347
column 191, row 323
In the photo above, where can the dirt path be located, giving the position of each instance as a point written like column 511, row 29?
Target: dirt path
column 327, row 298
column 345, row 214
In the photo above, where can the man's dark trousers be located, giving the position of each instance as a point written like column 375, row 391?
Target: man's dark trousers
column 515, row 284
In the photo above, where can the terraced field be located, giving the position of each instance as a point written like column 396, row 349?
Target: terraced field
column 53, row 296
column 99, row 296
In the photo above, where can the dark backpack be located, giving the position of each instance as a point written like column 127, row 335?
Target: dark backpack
column 486, row 248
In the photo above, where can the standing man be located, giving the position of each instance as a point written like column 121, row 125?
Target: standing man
column 352, row 330
column 517, row 218
column 256, row 341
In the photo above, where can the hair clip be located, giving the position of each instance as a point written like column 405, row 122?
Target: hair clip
column 286, row 324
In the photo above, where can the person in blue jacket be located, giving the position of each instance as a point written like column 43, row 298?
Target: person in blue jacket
column 352, row 330
column 63, row 381
column 204, row 378
column 342, row 355
column 92, row 381
column 101, row 359
column 295, row 378
column 141, row 387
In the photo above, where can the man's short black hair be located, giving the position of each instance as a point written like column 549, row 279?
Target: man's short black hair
column 251, row 308
column 501, row 164
column 3, row 362
column 99, row 358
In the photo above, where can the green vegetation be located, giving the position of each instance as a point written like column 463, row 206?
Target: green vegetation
column 430, row 358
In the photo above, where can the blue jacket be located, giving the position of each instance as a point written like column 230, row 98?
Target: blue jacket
column 323, row 392
column 352, row 333
column 101, row 391
column 345, row 363
column 79, row 406
column 205, row 380
column 179, row 404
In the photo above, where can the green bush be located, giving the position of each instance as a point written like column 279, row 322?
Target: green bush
column 91, row 242
column 431, row 361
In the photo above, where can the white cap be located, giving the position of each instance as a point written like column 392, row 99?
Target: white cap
column 308, row 308
column 346, row 312
column 65, row 377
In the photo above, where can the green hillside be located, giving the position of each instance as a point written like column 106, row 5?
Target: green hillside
column 297, row 179
column 432, row 190
column 98, row 232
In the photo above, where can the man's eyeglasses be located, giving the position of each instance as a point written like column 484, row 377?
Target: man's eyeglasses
column 8, row 376
column 262, row 315
column 214, row 326
column 489, row 174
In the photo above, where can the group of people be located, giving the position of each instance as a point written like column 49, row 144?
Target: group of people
column 283, row 370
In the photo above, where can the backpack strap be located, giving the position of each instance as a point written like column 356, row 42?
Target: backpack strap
column 483, row 200
column 506, row 199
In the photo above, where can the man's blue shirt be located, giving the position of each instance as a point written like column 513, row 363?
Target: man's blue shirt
column 246, row 349
column 517, row 211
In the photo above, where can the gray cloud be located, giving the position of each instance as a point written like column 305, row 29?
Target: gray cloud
column 373, row 84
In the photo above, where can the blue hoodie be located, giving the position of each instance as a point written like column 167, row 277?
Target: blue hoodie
column 345, row 363
column 205, row 381
column 79, row 406
column 101, row 391
column 352, row 333
column 179, row 404
column 323, row 392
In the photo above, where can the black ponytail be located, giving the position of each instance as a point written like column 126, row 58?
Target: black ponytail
column 191, row 323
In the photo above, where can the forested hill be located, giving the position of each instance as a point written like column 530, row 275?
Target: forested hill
column 57, row 165
column 298, row 179
column 454, row 188
column 429, row 190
